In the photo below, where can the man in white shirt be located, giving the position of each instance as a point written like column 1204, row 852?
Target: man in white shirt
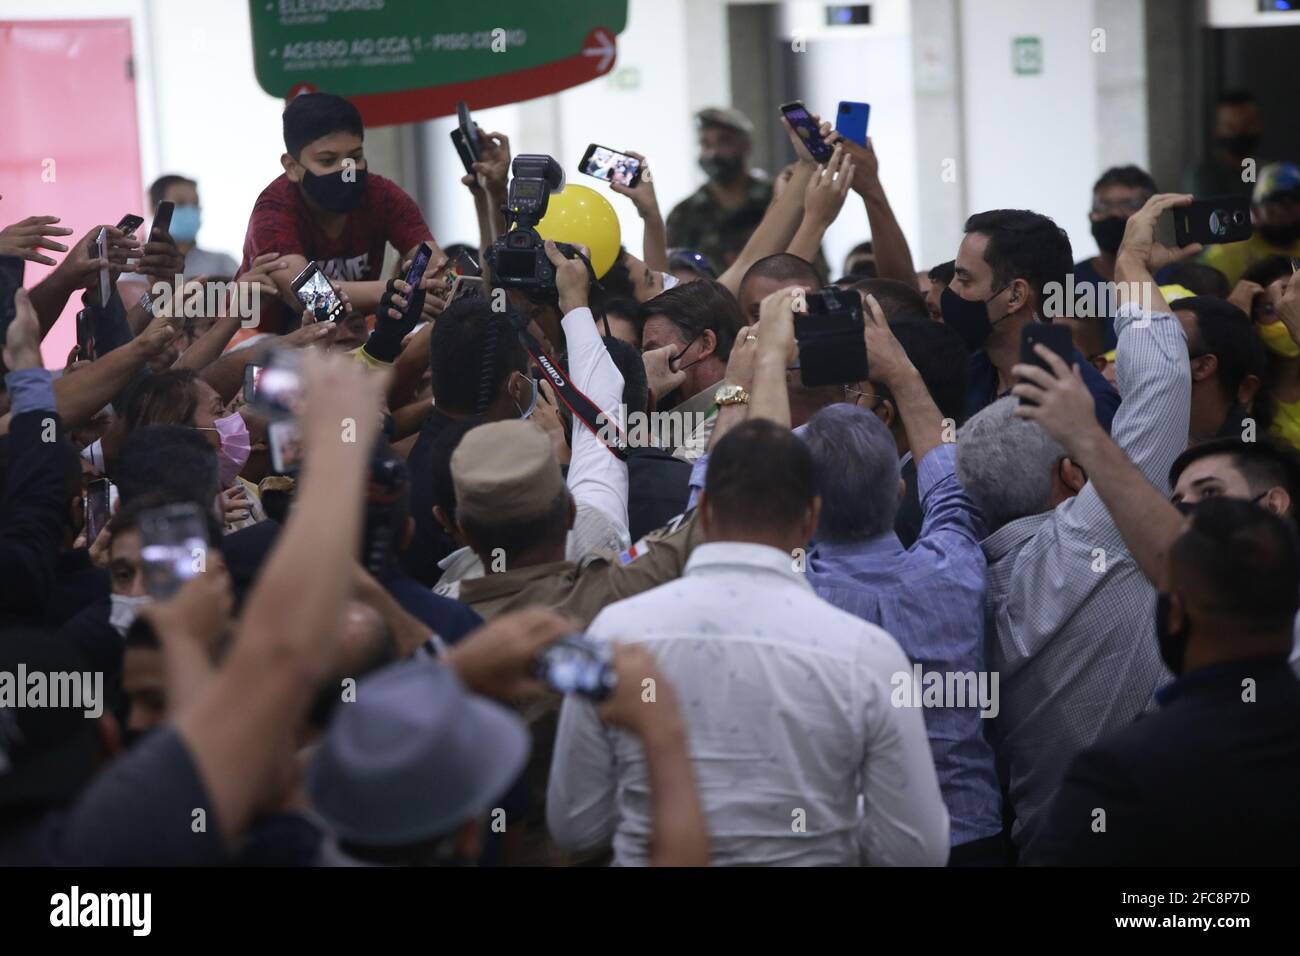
column 787, row 699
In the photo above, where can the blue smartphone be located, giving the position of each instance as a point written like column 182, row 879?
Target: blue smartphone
column 851, row 121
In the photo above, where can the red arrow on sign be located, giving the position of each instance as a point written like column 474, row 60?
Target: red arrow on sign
column 411, row 106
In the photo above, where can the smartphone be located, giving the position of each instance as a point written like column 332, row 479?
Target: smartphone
column 804, row 127
column 468, row 131
column 315, row 291
column 575, row 664
column 285, row 439
column 832, row 350
column 173, row 547
column 462, row 150
column 101, row 502
column 851, row 121
column 275, row 389
column 105, row 281
column 1055, row 337
column 465, row 286
column 415, row 273
column 131, row 222
column 610, row 165
column 86, row 337
column 1213, row 221
column 162, row 222
column 11, row 280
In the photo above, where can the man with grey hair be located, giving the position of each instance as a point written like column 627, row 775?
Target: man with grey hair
column 1069, row 610
column 930, row 596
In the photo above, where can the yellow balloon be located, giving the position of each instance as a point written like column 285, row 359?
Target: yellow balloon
column 583, row 216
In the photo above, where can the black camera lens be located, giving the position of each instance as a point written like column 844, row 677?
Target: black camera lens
column 1238, row 217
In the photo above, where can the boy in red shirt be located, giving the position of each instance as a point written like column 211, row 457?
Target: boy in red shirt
column 328, row 208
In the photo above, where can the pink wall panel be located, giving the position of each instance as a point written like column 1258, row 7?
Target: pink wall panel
column 68, row 128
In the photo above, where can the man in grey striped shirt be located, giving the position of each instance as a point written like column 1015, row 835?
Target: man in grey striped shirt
column 1070, row 614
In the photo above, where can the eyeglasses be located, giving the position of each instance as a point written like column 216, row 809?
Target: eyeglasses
column 854, row 395
column 1124, row 207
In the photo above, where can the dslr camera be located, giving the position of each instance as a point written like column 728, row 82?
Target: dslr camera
column 518, row 259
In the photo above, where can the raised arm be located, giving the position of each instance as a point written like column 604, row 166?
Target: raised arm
column 654, row 238
column 922, row 419
column 893, row 256
column 1128, row 476
column 781, row 221
column 823, row 200
column 239, row 731
column 596, row 476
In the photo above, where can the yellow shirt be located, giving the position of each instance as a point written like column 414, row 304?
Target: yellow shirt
column 1234, row 258
column 1286, row 423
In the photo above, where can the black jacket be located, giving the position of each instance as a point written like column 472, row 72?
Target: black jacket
column 1210, row 779
column 31, row 515
column 659, row 486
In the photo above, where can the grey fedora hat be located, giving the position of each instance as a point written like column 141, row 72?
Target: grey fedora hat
column 414, row 756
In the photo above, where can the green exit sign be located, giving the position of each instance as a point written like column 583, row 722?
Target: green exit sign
column 1027, row 55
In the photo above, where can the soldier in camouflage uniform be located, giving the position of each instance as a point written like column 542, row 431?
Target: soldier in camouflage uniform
column 719, row 217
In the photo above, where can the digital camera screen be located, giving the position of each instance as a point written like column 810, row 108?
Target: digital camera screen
column 513, row 264
column 611, row 166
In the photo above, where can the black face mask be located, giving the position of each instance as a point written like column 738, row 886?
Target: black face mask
column 334, row 193
column 969, row 318
column 1280, row 235
column 722, row 169
column 1241, row 145
column 1173, row 644
column 1109, row 233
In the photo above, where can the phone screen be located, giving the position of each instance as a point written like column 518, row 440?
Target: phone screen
column 162, row 221
column 804, row 127
column 130, row 223
column 105, row 281
column 419, row 262
column 577, row 665
column 611, row 166
column 465, row 286
column 316, row 293
column 285, row 439
column 99, row 508
column 173, row 547
column 277, row 386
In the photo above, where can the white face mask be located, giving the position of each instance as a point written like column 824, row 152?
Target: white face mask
column 125, row 609
column 670, row 280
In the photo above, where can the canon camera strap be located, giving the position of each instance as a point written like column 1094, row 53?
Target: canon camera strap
column 583, row 408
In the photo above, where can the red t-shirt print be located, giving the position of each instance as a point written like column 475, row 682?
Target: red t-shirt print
column 281, row 222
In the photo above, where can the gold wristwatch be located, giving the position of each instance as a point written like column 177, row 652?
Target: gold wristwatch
column 728, row 394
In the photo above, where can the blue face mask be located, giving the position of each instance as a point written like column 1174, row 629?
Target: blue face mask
column 185, row 223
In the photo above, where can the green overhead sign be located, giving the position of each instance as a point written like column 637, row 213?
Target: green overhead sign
column 374, row 48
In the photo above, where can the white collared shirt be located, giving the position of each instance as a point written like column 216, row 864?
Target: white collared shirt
column 787, row 702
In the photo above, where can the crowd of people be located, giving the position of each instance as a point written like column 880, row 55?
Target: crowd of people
column 971, row 610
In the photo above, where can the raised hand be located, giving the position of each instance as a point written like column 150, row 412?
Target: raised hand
column 27, row 237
